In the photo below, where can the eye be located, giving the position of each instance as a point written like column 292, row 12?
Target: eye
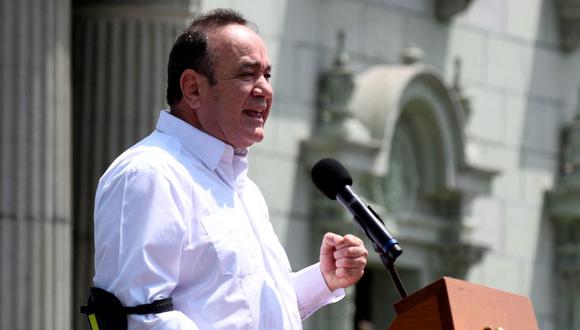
column 267, row 75
column 246, row 74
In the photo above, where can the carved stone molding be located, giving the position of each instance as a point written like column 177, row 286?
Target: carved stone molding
column 457, row 87
column 562, row 201
column 567, row 247
column 429, row 185
column 411, row 168
column 455, row 259
column 562, row 208
column 335, row 117
column 568, row 12
column 383, row 96
column 446, row 9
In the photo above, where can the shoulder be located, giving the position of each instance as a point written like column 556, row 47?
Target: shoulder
column 153, row 168
column 149, row 170
column 155, row 155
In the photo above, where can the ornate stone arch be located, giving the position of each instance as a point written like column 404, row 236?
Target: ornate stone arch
column 402, row 128
column 415, row 96
column 425, row 182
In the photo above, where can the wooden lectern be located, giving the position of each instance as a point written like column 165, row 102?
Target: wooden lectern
column 451, row 304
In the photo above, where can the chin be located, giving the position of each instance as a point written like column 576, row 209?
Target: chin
column 246, row 144
column 247, row 140
column 259, row 138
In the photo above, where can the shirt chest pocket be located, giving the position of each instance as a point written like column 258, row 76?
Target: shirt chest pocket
column 236, row 248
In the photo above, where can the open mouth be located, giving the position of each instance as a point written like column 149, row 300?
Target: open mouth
column 253, row 113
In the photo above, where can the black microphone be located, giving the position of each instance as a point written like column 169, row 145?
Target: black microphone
column 334, row 181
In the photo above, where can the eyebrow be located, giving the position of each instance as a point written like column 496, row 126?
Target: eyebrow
column 255, row 65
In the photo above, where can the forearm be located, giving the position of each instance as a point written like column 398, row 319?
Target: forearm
column 312, row 292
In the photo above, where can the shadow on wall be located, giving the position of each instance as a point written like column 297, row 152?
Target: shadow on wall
column 543, row 110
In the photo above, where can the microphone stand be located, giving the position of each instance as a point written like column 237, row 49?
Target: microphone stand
column 388, row 253
column 389, row 263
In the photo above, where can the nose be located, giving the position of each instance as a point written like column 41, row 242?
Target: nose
column 262, row 88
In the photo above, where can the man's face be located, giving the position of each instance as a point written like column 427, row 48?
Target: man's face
column 236, row 108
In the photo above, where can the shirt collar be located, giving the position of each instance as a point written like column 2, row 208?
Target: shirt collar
column 209, row 149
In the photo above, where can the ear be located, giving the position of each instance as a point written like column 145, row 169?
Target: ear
column 190, row 82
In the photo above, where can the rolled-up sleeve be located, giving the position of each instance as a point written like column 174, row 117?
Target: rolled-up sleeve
column 139, row 236
column 312, row 292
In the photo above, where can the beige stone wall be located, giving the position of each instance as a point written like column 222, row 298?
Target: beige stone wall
column 523, row 88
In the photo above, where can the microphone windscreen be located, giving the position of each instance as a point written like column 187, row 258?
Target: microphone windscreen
column 330, row 177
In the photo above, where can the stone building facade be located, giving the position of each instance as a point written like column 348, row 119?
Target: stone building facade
column 457, row 118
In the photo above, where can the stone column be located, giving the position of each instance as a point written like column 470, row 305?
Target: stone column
column 35, row 149
column 120, row 51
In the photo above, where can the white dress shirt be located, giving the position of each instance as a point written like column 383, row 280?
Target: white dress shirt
column 176, row 216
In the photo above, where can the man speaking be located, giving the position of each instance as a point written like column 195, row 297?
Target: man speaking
column 177, row 217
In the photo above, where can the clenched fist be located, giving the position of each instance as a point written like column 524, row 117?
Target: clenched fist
column 342, row 260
